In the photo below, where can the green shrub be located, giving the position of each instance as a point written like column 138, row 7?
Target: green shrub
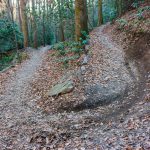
column 70, row 50
column 122, row 22
column 7, row 37
column 76, row 50
column 66, row 60
column 141, row 10
column 6, row 60
column 63, row 48
column 137, row 3
column 22, row 56
column 85, row 38
column 58, row 46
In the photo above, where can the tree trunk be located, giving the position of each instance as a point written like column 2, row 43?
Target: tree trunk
column 93, row 13
column 100, row 13
column 61, row 27
column 43, row 23
column 24, row 22
column 62, row 36
column 10, row 9
column 19, row 14
column 34, row 25
column 119, row 7
column 81, row 18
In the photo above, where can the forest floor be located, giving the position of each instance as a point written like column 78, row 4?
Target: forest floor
column 26, row 125
column 30, row 120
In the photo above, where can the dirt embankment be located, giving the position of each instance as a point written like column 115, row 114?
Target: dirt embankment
column 136, row 45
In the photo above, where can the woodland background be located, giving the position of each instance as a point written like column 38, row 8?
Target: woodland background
column 32, row 23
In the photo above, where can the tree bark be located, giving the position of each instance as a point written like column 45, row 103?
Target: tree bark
column 61, row 27
column 43, row 23
column 19, row 14
column 100, row 13
column 34, row 25
column 119, row 7
column 93, row 13
column 81, row 18
column 10, row 9
column 24, row 22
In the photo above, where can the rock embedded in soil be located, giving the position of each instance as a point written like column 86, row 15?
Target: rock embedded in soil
column 100, row 94
column 83, row 70
column 111, row 80
column 85, row 60
column 61, row 88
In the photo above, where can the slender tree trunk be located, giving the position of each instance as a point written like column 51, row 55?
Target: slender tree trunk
column 93, row 13
column 24, row 22
column 40, row 23
column 100, row 12
column 19, row 14
column 119, row 7
column 81, row 18
column 62, row 36
column 34, row 25
column 61, row 26
column 43, row 22
column 10, row 8
column 30, row 24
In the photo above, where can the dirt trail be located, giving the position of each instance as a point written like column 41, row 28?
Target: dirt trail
column 16, row 110
column 111, row 78
column 24, row 126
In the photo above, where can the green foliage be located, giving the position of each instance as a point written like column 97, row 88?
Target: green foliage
column 22, row 56
column 7, row 37
column 71, row 46
column 9, row 31
column 140, row 14
column 6, row 60
column 109, row 11
column 85, row 38
column 137, row 3
column 113, row 14
column 68, row 52
column 122, row 22
column 64, row 48
column 58, row 46
column 141, row 11
column 65, row 60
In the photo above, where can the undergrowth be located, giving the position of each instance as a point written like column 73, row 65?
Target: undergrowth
column 69, row 52
column 138, row 22
column 6, row 59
